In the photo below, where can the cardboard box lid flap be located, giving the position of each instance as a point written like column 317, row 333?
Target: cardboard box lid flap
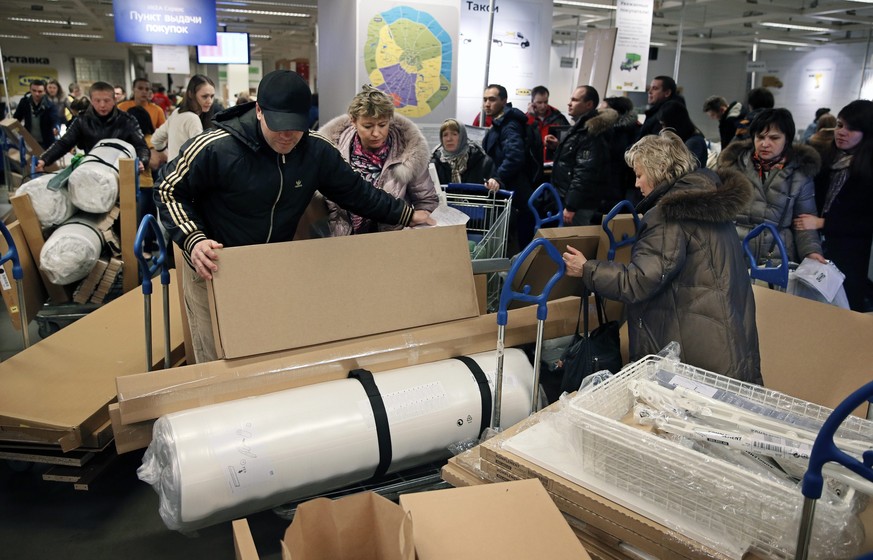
column 511, row 520
column 360, row 526
column 279, row 296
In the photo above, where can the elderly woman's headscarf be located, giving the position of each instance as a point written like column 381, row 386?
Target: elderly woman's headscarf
column 456, row 159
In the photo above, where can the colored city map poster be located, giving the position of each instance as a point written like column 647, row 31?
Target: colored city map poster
column 408, row 54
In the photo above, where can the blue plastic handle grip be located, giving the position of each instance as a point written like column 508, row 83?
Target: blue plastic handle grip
column 475, row 188
column 546, row 188
column 771, row 274
column 150, row 223
column 11, row 254
column 507, row 294
column 824, row 450
column 625, row 240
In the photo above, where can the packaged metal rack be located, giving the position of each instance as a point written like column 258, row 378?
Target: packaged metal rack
column 487, row 229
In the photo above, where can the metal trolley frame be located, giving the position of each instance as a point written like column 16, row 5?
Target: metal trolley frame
column 488, row 228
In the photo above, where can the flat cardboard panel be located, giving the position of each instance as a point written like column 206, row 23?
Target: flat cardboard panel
column 128, row 221
column 147, row 396
column 320, row 290
column 813, row 351
column 511, row 520
column 32, row 230
column 243, row 543
column 34, row 293
column 60, row 387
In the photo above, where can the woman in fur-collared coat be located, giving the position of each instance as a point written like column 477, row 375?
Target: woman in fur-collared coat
column 783, row 179
column 388, row 150
column 687, row 280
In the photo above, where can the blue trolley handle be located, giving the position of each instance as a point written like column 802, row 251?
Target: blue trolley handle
column 625, row 240
column 824, row 451
column 149, row 267
column 773, row 275
column 18, row 275
column 506, row 296
column 558, row 217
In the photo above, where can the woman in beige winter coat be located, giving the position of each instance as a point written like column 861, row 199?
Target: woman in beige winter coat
column 388, row 150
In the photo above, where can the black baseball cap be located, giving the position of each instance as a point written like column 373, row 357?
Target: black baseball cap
column 284, row 98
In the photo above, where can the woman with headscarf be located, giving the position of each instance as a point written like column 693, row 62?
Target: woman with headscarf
column 460, row 160
column 687, row 280
column 387, row 150
column 782, row 177
column 844, row 191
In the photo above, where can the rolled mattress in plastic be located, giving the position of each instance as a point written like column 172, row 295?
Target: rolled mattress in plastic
column 51, row 207
column 228, row 460
column 93, row 183
column 70, row 253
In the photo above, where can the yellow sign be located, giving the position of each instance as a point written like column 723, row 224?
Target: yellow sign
column 21, row 76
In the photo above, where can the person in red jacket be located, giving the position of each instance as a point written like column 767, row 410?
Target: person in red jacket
column 544, row 117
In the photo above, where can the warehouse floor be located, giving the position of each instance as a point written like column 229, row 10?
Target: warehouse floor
column 116, row 518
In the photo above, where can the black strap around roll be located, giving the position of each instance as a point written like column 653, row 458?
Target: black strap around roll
column 484, row 390
column 383, row 430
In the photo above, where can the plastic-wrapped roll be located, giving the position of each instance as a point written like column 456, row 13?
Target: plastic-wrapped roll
column 70, row 253
column 228, row 460
column 94, row 183
column 51, row 207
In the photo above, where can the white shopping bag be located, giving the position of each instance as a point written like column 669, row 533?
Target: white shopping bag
column 818, row 281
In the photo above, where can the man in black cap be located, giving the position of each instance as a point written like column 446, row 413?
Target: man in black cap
column 249, row 180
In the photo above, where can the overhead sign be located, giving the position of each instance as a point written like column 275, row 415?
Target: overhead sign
column 756, row 66
column 168, row 22
column 170, row 59
column 630, row 58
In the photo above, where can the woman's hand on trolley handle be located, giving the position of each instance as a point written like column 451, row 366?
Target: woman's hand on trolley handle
column 574, row 261
column 492, row 184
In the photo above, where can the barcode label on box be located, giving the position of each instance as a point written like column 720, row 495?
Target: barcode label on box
column 4, row 280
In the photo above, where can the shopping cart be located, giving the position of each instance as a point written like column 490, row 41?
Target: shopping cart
column 487, row 229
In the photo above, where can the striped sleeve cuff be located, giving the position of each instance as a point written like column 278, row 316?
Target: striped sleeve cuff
column 406, row 215
column 192, row 240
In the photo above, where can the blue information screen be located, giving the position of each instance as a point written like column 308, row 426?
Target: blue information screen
column 165, row 22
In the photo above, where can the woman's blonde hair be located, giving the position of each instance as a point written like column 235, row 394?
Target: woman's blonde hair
column 371, row 102
column 663, row 158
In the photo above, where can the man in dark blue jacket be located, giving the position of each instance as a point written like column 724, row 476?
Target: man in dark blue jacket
column 249, row 180
column 38, row 114
column 504, row 144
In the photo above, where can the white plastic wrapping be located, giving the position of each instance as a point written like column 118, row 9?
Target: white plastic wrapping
column 52, row 208
column 70, row 253
column 228, row 460
column 94, row 183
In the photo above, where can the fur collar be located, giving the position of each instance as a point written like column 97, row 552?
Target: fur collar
column 703, row 195
column 601, row 121
column 627, row 120
column 409, row 155
column 805, row 159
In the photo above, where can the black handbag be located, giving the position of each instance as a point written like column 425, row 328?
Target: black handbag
column 592, row 351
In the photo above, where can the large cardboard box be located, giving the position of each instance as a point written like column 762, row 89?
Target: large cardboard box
column 146, row 396
column 57, row 391
column 512, row 521
column 321, row 290
column 812, row 350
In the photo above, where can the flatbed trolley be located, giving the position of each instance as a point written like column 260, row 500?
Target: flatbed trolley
column 487, row 229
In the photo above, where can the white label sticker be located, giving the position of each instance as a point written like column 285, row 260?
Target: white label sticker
column 4, row 280
column 414, row 402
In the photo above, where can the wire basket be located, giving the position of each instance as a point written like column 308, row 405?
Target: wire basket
column 733, row 509
column 488, row 226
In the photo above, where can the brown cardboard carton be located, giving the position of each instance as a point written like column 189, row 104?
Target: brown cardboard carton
column 147, row 396
column 362, row 526
column 811, row 350
column 243, row 543
column 58, row 389
column 514, row 520
column 320, row 290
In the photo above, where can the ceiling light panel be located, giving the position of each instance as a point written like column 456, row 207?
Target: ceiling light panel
column 48, row 21
column 786, row 43
column 585, row 5
column 263, row 12
column 71, row 35
column 792, row 26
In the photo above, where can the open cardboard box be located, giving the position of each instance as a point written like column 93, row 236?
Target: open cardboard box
column 320, row 290
column 514, row 520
